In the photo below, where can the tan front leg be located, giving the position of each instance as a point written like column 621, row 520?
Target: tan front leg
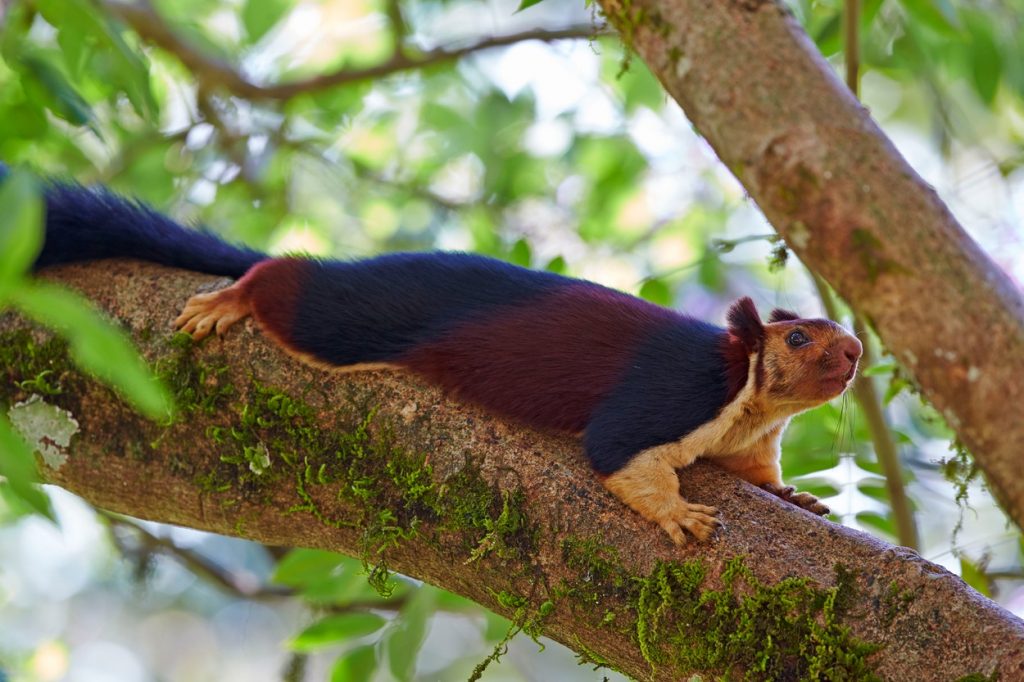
column 650, row 486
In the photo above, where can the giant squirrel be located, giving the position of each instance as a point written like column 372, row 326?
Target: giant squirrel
column 648, row 389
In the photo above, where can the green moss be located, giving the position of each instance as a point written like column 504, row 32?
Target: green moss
column 979, row 677
column 895, row 601
column 523, row 619
column 196, row 386
column 601, row 577
column 587, row 656
column 32, row 367
column 270, row 434
column 790, row 630
column 961, row 470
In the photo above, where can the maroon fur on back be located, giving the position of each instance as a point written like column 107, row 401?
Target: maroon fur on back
column 548, row 362
column 737, row 365
column 274, row 288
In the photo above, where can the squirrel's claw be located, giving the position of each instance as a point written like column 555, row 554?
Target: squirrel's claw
column 803, row 500
column 699, row 519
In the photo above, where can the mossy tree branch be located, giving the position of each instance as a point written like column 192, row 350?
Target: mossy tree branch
column 268, row 449
column 850, row 206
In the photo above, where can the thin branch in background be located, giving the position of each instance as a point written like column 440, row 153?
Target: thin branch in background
column 881, row 435
column 230, row 582
column 851, row 45
column 864, row 386
column 399, row 29
column 295, row 669
column 196, row 563
column 212, row 72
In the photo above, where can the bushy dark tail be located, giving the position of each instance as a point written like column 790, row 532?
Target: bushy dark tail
column 84, row 224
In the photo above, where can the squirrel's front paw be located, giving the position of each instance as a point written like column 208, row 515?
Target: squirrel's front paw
column 699, row 519
column 803, row 500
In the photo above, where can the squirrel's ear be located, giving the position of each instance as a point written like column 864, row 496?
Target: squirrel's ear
column 780, row 315
column 745, row 324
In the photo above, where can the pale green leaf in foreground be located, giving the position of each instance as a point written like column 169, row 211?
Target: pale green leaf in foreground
column 18, row 467
column 21, row 233
column 336, row 629
column 96, row 345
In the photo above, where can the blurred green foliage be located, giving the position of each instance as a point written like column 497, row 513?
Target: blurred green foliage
column 551, row 157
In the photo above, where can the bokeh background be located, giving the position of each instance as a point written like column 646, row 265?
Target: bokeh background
column 555, row 154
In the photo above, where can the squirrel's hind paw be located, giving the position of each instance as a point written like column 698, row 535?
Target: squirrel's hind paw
column 214, row 312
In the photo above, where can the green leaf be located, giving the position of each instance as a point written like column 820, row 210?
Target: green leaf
column 335, row 629
column 896, row 387
column 410, row 628
column 874, row 489
column 97, row 346
column 54, row 89
column 557, row 265
column 710, row 272
column 637, row 86
column 902, row 438
column 656, row 291
column 820, row 488
column 21, row 231
column 974, row 576
column 120, row 63
column 880, row 523
column 496, row 626
column 880, row 369
column 828, row 34
column 526, row 4
column 259, row 16
column 986, row 60
column 302, row 566
column 355, row 665
column 325, row 577
column 18, row 467
column 938, row 15
column 520, row 254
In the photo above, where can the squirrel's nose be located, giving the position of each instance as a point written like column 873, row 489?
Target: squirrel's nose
column 851, row 348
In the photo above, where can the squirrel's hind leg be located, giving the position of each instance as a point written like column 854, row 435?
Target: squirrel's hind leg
column 214, row 312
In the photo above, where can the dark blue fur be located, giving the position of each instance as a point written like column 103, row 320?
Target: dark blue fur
column 84, row 224
column 375, row 310
column 676, row 382
column 380, row 309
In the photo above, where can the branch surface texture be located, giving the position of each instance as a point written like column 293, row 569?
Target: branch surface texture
column 268, row 449
column 850, row 206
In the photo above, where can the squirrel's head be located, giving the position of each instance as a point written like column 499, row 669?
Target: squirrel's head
column 800, row 362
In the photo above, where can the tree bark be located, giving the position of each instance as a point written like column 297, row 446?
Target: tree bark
column 850, row 206
column 584, row 554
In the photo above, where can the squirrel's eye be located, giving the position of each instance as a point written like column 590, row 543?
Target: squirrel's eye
column 797, row 339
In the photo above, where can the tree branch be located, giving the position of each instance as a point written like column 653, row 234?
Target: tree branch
column 512, row 519
column 215, row 73
column 850, row 206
